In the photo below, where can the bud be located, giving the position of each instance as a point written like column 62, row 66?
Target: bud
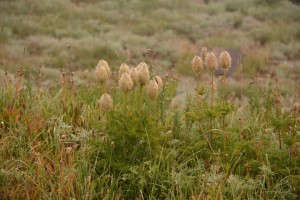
column 143, row 73
column 211, row 61
column 105, row 102
column 203, row 54
column 126, row 83
column 123, row 69
column 197, row 64
column 105, row 65
column 225, row 60
column 101, row 74
column 134, row 75
column 159, row 82
column 153, row 89
column 69, row 150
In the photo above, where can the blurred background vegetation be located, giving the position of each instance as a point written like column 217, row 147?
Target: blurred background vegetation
column 75, row 34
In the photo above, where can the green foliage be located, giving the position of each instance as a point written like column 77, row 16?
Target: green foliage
column 232, row 6
column 268, row 2
column 149, row 151
column 254, row 63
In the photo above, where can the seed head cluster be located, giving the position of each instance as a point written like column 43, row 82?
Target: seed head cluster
column 101, row 74
column 104, row 64
column 105, row 102
column 211, row 61
column 152, row 89
column 225, row 60
column 197, row 64
column 125, row 83
column 134, row 75
column 123, row 69
column 203, row 54
column 143, row 73
column 159, row 82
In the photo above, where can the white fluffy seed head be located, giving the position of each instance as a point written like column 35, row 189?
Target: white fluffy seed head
column 123, row 69
column 125, row 83
column 211, row 61
column 105, row 102
column 225, row 60
column 143, row 72
column 104, row 64
column 101, row 74
column 134, row 75
column 153, row 89
column 159, row 82
column 197, row 64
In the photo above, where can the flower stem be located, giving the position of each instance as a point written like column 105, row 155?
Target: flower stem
column 141, row 99
column 224, row 100
column 125, row 104
column 211, row 106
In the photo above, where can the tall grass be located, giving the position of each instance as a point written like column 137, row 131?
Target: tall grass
column 61, row 144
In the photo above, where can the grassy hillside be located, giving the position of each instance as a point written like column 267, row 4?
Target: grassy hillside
column 38, row 32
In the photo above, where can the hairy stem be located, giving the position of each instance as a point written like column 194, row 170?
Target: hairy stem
column 211, row 106
column 141, row 99
column 125, row 104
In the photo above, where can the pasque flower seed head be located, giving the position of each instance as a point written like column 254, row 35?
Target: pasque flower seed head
column 159, row 82
column 125, row 83
column 153, row 89
column 104, row 64
column 123, row 69
column 197, row 64
column 225, row 60
column 105, row 102
column 203, row 54
column 211, row 61
column 143, row 72
column 101, row 74
column 134, row 75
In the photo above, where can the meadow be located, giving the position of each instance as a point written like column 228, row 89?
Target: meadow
column 149, row 100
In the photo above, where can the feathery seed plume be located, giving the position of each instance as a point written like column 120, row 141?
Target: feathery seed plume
column 197, row 64
column 159, row 82
column 211, row 61
column 125, row 83
column 203, row 54
column 143, row 72
column 225, row 60
column 105, row 65
column 153, row 89
column 105, row 102
column 123, row 69
column 101, row 74
column 134, row 75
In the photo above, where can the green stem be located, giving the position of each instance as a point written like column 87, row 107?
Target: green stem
column 141, row 99
column 125, row 104
column 211, row 106
column 224, row 100
column 212, row 90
